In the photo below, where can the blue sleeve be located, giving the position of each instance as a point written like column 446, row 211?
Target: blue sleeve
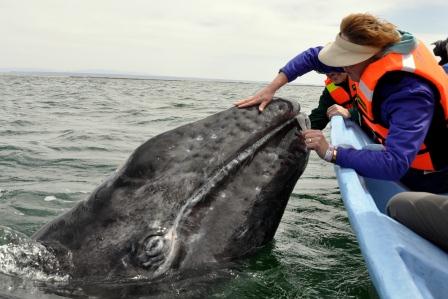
column 306, row 62
column 407, row 109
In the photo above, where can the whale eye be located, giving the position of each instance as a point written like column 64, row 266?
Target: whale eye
column 154, row 246
column 150, row 252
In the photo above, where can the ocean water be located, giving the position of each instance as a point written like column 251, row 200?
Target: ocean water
column 61, row 136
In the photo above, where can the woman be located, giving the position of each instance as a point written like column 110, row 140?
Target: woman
column 402, row 98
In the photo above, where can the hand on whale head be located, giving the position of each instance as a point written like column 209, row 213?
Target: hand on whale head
column 204, row 193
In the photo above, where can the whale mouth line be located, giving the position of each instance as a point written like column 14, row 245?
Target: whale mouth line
column 220, row 175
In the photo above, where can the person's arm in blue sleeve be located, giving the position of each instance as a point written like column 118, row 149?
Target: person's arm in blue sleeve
column 408, row 121
column 306, row 62
column 303, row 63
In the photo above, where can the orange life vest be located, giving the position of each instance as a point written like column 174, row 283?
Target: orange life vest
column 339, row 94
column 419, row 62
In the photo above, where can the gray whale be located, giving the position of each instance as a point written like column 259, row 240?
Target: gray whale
column 202, row 194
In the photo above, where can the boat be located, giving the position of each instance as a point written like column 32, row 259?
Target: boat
column 401, row 264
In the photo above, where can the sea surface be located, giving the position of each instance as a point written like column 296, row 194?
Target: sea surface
column 60, row 137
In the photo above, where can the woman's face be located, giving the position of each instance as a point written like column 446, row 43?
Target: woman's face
column 337, row 77
column 355, row 71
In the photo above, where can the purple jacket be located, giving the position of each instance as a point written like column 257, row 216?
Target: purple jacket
column 407, row 109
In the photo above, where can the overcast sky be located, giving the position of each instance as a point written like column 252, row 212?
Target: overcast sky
column 229, row 39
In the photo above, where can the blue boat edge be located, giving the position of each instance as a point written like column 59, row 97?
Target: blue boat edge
column 401, row 264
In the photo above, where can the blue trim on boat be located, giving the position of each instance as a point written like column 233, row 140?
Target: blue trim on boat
column 401, row 264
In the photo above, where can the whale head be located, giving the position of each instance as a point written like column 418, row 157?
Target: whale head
column 202, row 194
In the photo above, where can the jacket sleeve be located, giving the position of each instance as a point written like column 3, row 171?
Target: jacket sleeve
column 407, row 110
column 306, row 62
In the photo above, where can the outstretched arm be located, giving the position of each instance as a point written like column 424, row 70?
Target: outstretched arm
column 303, row 63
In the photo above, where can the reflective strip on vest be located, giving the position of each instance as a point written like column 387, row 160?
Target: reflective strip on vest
column 331, row 87
column 408, row 63
column 368, row 93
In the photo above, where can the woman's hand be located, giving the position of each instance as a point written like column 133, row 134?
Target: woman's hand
column 338, row 110
column 315, row 140
column 265, row 95
column 262, row 97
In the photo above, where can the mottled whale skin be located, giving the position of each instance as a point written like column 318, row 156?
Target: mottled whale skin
column 205, row 193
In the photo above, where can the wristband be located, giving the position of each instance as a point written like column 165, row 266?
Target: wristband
column 329, row 153
column 335, row 153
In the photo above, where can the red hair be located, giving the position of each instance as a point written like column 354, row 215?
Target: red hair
column 365, row 29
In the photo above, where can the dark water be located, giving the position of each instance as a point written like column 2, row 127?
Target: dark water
column 61, row 136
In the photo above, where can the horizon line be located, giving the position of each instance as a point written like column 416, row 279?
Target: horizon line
column 119, row 75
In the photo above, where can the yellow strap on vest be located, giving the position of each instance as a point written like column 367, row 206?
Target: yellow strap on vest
column 331, row 87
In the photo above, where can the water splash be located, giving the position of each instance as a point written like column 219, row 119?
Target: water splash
column 25, row 258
